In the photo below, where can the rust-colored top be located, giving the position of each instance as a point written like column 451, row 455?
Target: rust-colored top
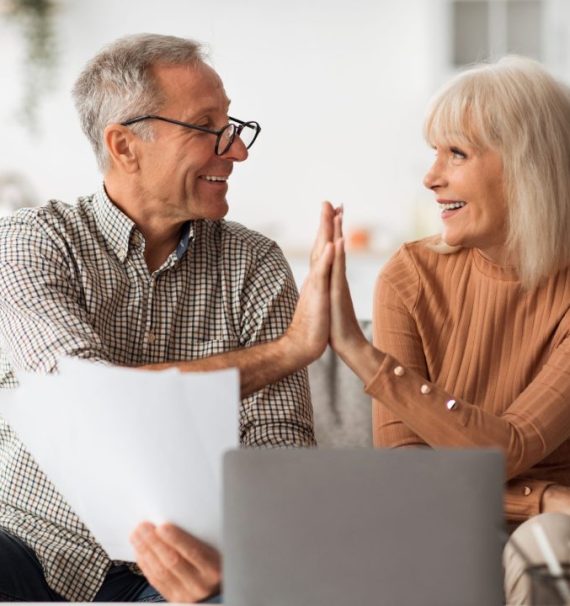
column 464, row 329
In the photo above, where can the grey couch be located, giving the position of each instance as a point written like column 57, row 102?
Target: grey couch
column 342, row 410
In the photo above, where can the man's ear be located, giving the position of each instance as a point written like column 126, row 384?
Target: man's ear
column 121, row 145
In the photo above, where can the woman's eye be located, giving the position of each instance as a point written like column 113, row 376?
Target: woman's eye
column 457, row 153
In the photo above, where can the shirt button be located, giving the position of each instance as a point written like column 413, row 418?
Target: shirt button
column 150, row 337
column 451, row 404
column 425, row 389
column 399, row 371
column 527, row 490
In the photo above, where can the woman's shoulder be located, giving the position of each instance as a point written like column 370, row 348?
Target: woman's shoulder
column 423, row 259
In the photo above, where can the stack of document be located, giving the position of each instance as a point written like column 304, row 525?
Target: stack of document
column 124, row 445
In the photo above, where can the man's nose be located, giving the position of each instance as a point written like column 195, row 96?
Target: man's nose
column 237, row 151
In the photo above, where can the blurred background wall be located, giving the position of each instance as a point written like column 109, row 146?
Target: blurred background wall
column 340, row 89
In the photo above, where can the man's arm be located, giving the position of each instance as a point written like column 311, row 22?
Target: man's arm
column 276, row 408
column 42, row 315
column 267, row 363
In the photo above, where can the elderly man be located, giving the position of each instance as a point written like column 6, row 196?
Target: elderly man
column 146, row 273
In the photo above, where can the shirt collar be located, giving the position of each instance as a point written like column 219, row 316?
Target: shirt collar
column 117, row 228
column 114, row 225
column 186, row 235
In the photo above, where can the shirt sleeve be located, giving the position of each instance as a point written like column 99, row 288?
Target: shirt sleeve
column 42, row 316
column 280, row 414
column 395, row 333
column 534, row 425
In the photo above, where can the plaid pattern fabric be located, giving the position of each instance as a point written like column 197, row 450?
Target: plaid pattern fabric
column 73, row 281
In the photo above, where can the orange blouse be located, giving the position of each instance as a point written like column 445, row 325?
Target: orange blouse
column 465, row 328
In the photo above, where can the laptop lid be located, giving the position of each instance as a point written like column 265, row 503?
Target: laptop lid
column 340, row 527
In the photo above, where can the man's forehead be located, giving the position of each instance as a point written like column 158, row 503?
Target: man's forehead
column 198, row 86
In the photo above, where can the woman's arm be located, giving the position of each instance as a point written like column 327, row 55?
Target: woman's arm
column 395, row 332
column 535, row 423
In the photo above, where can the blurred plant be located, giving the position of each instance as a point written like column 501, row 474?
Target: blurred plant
column 36, row 20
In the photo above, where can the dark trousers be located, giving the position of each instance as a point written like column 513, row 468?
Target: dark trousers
column 22, row 579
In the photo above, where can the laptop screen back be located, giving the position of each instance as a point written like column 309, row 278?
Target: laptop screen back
column 385, row 527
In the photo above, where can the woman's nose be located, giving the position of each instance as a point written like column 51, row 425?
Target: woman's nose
column 435, row 176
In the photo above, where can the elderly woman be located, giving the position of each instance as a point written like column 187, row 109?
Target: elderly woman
column 472, row 328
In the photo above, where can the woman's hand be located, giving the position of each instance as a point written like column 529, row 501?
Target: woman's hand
column 179, row 566
column 346, row 336
column 556, row 498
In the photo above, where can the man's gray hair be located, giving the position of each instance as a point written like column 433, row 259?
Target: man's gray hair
column 118, row 84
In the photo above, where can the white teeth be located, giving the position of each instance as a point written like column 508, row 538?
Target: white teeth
column 209, row 178
column 451, row 205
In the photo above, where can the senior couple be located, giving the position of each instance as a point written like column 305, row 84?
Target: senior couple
column 471, row 327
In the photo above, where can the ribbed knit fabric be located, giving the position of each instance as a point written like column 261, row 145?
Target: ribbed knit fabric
column 467, row 329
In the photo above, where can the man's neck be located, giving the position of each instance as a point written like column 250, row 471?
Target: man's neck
column 161, row 235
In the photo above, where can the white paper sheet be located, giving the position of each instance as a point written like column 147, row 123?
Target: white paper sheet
column 124, row 445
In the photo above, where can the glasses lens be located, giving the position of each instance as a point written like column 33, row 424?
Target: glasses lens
column 225, row 139
column 248, row 133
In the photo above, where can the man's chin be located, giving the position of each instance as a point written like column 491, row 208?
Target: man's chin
column 210, row 212
column 220, row 213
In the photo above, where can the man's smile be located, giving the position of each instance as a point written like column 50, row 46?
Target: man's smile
column 214, row 178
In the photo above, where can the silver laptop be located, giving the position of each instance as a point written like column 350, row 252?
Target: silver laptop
column 411, row 527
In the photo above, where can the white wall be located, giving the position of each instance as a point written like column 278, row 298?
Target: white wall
column 339, row 88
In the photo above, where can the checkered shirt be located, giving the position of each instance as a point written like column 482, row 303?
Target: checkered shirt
column 73, row 281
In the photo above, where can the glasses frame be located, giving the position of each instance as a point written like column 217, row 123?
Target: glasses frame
column 235, row 128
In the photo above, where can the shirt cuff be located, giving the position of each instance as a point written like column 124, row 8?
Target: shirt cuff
column 523, row 498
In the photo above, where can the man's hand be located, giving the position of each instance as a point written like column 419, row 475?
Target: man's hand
column 308, row 334
column 346, row 336
column 556, row 498
column 179, row 566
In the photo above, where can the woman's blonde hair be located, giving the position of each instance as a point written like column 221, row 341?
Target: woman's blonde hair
column 517, row 109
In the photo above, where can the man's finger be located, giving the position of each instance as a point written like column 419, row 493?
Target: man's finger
column 322, row 265
column 166, row 568
column 158, row 573
column 202, row 556
column 325, row 232
column 160, row 577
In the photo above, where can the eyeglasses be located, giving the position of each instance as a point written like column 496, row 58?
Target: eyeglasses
column 246, row 131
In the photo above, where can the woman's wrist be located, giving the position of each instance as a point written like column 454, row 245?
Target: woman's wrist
column 362, row 358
